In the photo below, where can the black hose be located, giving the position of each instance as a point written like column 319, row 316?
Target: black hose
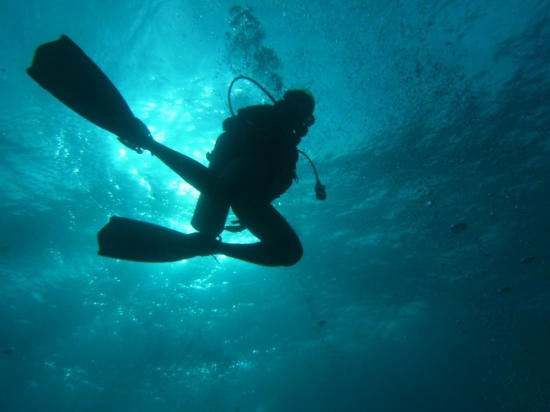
column 320, row 190
column 250, row 79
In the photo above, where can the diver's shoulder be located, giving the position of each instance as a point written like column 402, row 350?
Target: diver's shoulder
column 257, row 116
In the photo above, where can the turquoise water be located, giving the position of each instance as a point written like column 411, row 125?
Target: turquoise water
column 425, row 282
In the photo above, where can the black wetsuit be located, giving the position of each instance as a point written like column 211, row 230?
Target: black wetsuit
column 253, row 163
column 258, row 138
column 255, row 158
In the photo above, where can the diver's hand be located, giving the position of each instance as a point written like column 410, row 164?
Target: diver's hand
column 138, row 137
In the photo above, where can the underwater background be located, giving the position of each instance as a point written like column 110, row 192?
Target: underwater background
column 425, row 282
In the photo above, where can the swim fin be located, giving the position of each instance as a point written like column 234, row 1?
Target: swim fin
column 129, row 239
column 63, row 69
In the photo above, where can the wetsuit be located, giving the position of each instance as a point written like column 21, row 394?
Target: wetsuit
column 255, row 158
column 253, row 163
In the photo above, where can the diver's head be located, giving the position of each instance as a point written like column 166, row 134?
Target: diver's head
column 297, row 107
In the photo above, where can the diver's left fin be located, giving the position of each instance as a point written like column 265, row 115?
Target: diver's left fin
column 64, row 70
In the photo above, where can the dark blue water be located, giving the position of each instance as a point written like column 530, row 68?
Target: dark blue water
column 425, row 283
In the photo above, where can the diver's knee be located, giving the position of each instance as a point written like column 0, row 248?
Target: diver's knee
column 291, row 255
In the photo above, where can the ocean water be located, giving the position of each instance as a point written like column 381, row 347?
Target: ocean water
column 425, row 281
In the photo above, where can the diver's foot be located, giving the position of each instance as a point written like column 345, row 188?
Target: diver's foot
column 201, row 244
column 137, row 137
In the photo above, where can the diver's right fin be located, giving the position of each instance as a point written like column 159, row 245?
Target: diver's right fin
column 63, row 69
column 129, row 239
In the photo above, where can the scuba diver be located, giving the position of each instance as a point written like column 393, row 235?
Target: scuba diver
column 253, row 163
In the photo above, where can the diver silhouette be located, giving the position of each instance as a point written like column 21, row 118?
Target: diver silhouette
column 253, row 163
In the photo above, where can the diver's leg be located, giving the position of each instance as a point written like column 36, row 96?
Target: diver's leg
column 197, row 175
column 240, row 177
column 210, row 214
column 279, row 244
